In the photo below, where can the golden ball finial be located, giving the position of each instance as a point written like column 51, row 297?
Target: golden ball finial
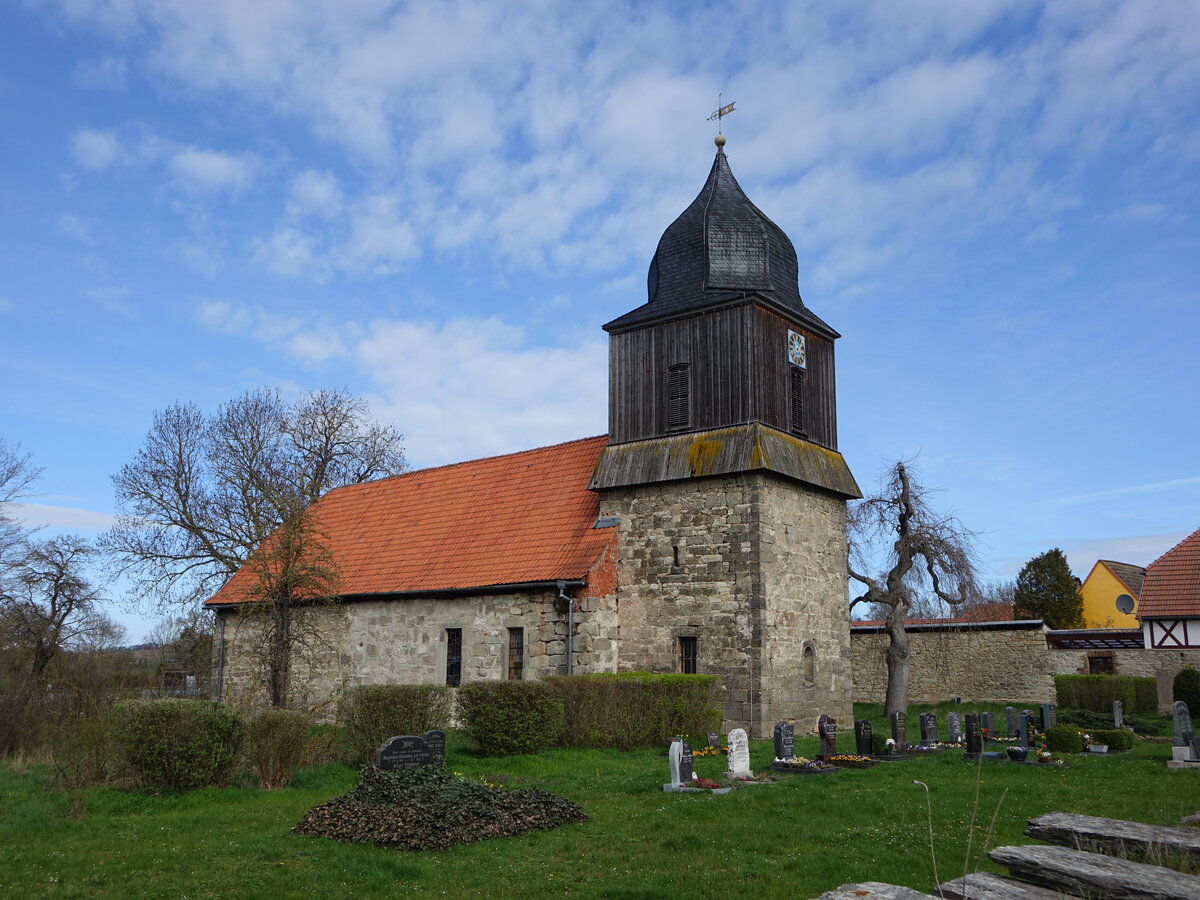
column 719, row 140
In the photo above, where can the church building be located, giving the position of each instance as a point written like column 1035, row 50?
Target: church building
column 705, row 533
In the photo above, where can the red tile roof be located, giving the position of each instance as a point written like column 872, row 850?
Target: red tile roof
column 992, row 611
column 1172, row 585
column 524, row 517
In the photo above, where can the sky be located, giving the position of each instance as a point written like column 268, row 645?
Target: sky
column 438, row 205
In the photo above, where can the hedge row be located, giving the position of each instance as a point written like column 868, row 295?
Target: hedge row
column 373, row 713
column 1097, row 692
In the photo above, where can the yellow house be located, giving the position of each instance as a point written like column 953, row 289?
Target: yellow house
column 1110, row 594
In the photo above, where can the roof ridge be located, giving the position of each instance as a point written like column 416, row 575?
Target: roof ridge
column 1195, row 533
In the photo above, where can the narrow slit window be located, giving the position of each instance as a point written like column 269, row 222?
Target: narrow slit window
column 796, row 398
column 687, row 655
column 453, row 656
column 516, row 654
column 679, row 405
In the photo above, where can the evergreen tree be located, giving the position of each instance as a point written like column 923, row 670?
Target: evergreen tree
column 1047, row 590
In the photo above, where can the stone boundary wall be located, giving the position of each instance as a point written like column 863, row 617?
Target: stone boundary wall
column 997, row 665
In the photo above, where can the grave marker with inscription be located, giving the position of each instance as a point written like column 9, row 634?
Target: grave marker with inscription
column 1118, row 714
column 739, row 754
column 1011, row 722
column 988, row 721
column 929, row 732
column 862, row 738
column 785, row 740
column 974, row 736
column 1049, row 715
column 827, row 729
column 953, row 728
column 899, row 730
column 409, row 750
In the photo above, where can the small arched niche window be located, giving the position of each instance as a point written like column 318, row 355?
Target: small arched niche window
column 810, row 664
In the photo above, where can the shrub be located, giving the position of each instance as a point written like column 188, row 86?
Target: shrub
column 1092, row 721
column 1097, row 692
column 177, row 745
column 83, row 751
column 878, row 743
column 1115, row 738
column 505, row 717
column 1187, row 688
column 278, row 744
column 427, row 808
column 1064, row 738
column 636, row 709
column 375, row 712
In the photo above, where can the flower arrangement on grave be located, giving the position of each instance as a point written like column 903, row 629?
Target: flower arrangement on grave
column 851, row 761
column 802, row 762
column 707, row 783
column 709, row 751
column 889, row 746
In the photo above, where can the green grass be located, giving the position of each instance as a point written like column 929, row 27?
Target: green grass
column 796, row 838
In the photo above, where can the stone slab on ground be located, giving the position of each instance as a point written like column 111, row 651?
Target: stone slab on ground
column 873, row 890
column 988, row 886
column 1114, row 835
column 1094, row 876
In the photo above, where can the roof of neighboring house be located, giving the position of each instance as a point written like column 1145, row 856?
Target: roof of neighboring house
column 1172, row 585
column 1128, row 574
column 993, row 611
column 517, row 519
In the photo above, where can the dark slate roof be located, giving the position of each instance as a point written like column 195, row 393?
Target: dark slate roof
column 720, row 251
column 1128, row 574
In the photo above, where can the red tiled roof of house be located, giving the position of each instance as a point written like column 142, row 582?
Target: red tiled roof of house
column 1128, row 574
column 1172, row 585
column 524, row 517
column 981, row 612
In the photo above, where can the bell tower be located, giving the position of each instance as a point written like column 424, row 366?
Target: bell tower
column 723, row 471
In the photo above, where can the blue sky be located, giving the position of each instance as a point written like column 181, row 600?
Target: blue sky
column 438, row 205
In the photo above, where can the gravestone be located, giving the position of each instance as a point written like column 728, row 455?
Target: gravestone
column 929, row 733
column 1049, row 715
column 714, row 740
column 1010, row 716
column 862, row 738
column 954, row 728
column 785, row 740
column 1118, row 714
column 827, row 729
column 1023, row 729
column 1183, row 723
column 899, row 730
column 987, row 721
column 739, row 754
column 974, row 736
column 411, row 750
column 680, row 760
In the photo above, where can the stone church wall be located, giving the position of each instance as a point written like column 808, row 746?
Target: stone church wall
column 741, row 564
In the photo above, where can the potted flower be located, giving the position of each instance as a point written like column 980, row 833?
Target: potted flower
column 889, row 747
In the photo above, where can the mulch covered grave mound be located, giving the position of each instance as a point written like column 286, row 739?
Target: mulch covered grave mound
column 427, row 808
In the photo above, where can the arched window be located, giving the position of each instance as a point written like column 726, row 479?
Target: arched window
column 810, row 664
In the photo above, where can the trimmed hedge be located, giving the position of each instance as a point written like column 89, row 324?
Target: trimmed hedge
column 177, row 745
column 1097, row 692
column 278, row 742
column 506, row 717
column 1116, row 739
column 372, row 713
column 636, row 709
column 1065, row 738
column 1186, row 687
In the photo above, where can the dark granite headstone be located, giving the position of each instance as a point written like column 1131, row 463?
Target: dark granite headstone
column 1183, row 724
column 405, row 750
column 988, row 721
column 1049, row 715
column 1028, row 727
column 974, row 735
column 953, row 728
column 929, row 732
column 686, row 771
column 899, row 729
column 827, row 729
column 862, row 738
column 785, row 740
column 436, row 742
column 1011, row 722
column 1118, row 714
column 714, row 741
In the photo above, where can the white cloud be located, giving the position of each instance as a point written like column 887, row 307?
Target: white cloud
column 315, row 194
column 252, row 322
column 1149, row 488
column 209, row 171
column 107, row 73
column 61, row 517
column 95, row 149
column 1138, row 550
column 76, row 228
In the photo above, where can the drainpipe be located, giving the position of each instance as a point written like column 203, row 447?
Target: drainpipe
column 562, row 593
column 221, row 658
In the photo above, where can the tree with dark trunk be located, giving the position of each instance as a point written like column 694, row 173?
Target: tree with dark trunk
column 924, row 554
column 208, row 495
column 1047, row 590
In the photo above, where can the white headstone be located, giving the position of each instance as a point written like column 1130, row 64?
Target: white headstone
column 675, row 755
column 739, row 754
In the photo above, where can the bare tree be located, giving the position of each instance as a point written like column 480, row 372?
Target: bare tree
column 17, row 473
column 209, row 495
column 924, row 553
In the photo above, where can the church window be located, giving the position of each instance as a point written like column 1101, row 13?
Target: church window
column 796, row 398
column 1100, row 665
column 453, row 656
column 810, row 665
column 678, row 396
column 677, row 556
column 687, row 655
column 516, row 654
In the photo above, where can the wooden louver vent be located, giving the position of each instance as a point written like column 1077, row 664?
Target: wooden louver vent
column 678, row 396
column 796, row 399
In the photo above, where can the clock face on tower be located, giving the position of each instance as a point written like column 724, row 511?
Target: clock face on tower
column 797, row 349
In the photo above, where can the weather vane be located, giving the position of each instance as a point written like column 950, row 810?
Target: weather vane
column 721, row 113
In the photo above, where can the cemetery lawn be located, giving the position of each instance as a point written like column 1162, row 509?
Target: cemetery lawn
column 796, row 838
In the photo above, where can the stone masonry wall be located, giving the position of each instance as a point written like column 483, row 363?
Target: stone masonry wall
column 740, row 564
